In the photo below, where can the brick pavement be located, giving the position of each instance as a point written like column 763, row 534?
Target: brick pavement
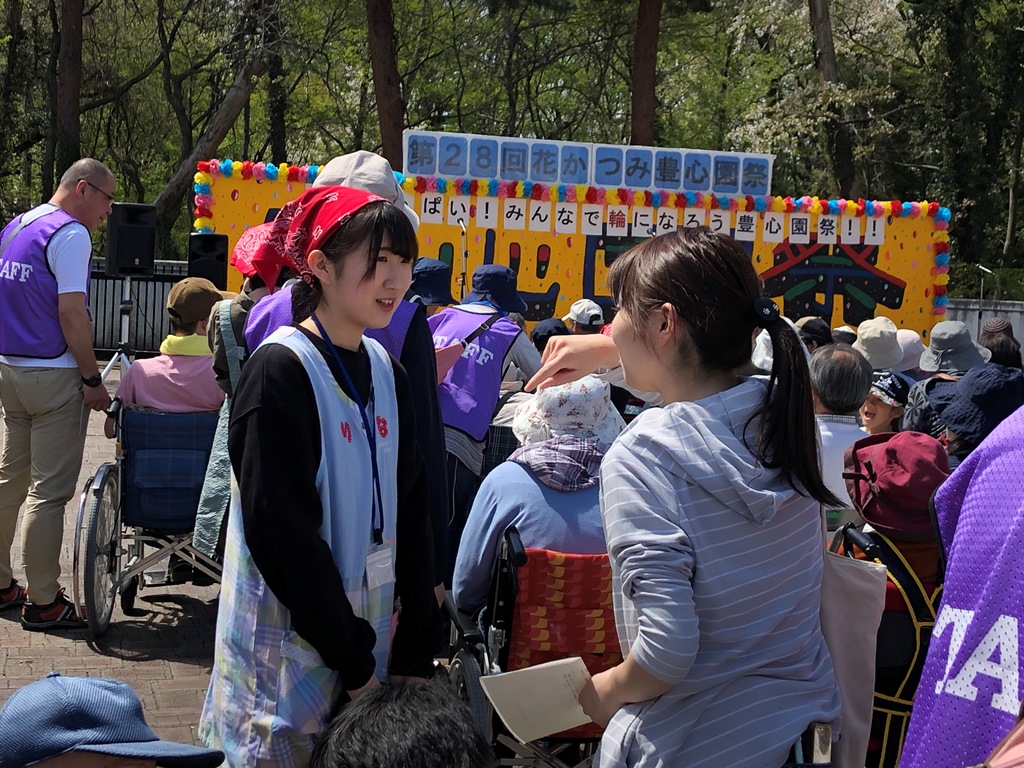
column 165, row 653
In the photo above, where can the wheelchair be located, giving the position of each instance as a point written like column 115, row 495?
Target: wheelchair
column 542, row 606
column 146, row 498
column 904, row 635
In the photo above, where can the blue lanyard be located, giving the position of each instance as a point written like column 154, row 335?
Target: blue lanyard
column 371, row 435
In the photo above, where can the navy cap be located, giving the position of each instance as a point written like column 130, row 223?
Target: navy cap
column 814, row 329
column 56, row 715
column 432, row 282
column 496, row 284
column 891, row 388
column 976, row 404
column 545, row 329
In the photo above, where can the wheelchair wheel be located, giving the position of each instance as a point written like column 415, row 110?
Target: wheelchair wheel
column 102, row 550
column 464, row 673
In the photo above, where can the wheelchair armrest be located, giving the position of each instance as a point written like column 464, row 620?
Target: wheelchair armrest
column 465, row 623
column 514, row 545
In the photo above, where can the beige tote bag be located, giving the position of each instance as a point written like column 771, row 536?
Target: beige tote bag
column 852, row 599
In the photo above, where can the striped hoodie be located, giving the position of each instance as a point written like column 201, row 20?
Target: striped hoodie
column 716, row 566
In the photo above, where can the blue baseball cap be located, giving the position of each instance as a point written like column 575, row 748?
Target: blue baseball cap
column 431, row 282
column 56, row 715
column 496, row 284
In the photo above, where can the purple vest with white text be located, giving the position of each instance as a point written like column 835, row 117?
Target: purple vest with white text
column 471, row 389
column 970, row 690
column 30, row 322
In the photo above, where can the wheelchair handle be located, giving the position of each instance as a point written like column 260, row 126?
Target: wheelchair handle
column 114, row 408
column 862, row 541
column 514, row 544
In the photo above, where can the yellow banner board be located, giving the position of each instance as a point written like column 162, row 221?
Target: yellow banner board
column 846, row 261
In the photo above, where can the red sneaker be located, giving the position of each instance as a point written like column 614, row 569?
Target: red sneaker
column 13, row 596
column 60, row 614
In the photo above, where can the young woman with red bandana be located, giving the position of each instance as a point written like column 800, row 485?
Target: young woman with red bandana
column 326, row 532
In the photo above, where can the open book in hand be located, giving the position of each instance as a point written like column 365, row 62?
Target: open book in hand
column 535, row 702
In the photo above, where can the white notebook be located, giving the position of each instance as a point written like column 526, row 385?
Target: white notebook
column 535, row 702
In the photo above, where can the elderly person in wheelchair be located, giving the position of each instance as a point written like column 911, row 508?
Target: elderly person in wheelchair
column 548, row 489
column 181, row 378
column 147, row 497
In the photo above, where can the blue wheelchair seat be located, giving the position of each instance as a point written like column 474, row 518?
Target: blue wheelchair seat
column 163, row 468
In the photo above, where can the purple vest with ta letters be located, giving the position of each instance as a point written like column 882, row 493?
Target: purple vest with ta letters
column 275, row 311
column 471, row 389
column 30, row 322
column 970, row 690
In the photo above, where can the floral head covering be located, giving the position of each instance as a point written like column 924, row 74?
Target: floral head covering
column 582, row 409
column 303, row 225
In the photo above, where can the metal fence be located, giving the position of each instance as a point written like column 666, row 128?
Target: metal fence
column 974, row 313
column 147, row 322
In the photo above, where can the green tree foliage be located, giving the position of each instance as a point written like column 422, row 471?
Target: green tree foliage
column 931, row 93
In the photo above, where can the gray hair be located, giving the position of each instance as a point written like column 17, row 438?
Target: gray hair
column 840, row 377
column 86, row 168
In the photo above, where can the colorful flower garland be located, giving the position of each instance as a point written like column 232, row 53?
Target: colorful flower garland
column 208, row 170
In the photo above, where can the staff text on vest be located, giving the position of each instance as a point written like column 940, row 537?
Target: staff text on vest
column 15, row 270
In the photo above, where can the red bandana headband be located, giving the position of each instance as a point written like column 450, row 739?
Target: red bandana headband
column 303, row 225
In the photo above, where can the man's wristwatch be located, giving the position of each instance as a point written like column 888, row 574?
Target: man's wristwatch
column 92, row 381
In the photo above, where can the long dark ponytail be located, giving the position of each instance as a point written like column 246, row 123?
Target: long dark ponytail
column 711, row 283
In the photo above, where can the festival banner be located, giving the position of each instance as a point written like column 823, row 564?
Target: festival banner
column 844, row 260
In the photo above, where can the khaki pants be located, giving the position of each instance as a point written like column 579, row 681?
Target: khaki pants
column 44, row 437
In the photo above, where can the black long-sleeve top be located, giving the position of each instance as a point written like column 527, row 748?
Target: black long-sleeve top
column 420, row 363
column 274, row 444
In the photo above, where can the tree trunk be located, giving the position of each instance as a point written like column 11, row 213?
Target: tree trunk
column 1011, row 209
column 362, row 117
column 962, row 133
column 68, row 146
column 172, row 85
column 46, row 173
column 387, row 86
column 643, row 117
column 277, row 91
column 840, row 144
column 277, row 108
column 168, row 202
column 13, row 76
column 509, row 77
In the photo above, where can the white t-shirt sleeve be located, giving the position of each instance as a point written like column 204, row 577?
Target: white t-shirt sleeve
column 69, row 255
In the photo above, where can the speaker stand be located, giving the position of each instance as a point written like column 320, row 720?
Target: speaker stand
column 123, row 356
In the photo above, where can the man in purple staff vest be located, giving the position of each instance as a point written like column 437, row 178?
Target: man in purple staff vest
column 48, row 380
column 470, row 390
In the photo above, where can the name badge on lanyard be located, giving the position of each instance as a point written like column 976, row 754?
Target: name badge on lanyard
column 380, row 566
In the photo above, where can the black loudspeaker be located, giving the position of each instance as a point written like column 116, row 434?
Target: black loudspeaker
column 208, row 257
column 131, row 239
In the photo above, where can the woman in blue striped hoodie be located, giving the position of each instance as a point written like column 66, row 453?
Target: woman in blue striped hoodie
column 712, row 520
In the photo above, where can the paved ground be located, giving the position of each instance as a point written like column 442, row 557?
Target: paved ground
column 165, row 653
